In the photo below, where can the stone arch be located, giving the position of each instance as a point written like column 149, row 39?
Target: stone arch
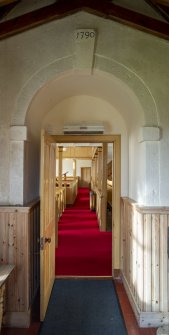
column 103, row 66
column 135, row 83
column 110, row 80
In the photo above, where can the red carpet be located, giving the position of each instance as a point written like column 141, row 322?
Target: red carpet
column 82, row 249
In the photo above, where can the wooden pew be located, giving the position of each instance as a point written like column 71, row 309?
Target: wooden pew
column 71, row 186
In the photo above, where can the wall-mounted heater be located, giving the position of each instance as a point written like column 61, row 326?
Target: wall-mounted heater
column 83, row 129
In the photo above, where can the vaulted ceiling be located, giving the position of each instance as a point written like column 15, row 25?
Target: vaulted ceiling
column 151, row 16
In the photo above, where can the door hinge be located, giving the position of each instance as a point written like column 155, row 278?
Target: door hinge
column 42, row 243
column 44, row 240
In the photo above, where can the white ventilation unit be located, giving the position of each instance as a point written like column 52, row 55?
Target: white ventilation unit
column 83, row 129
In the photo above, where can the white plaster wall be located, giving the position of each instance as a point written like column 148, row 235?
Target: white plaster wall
column 119, row 110
column 98, row 85
column 68, row 166
column 82, row 163
column 137, row 165
column 35, row 58
column 91, row 110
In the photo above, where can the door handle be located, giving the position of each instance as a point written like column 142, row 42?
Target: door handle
column 47, row 239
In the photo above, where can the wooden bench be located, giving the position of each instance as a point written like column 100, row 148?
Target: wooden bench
column 5, row 271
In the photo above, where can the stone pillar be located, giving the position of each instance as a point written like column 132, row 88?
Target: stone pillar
column 150, row 137
column 18, row 136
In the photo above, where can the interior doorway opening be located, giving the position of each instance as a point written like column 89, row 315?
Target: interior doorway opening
column 84, row 219
column 48, row 152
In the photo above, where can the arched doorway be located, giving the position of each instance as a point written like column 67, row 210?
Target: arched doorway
column 84, row 98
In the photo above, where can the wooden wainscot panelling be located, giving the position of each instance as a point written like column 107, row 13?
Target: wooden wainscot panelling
column 144, row 239
column 78, row 152
column 19, row 245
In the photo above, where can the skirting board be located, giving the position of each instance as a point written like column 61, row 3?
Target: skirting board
column 116, row 273
column 17, row 319
column 145, row 319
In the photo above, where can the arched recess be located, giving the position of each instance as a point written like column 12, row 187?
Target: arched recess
column 104, row 67
column 125, row 92
column 70, row 91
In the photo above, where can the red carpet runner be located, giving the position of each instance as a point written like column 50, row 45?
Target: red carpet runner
column 82, row 249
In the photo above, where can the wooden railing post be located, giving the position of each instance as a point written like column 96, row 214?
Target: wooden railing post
column 60, row 166
column 104, row 187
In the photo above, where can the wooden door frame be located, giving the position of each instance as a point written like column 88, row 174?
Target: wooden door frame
column 116, row 140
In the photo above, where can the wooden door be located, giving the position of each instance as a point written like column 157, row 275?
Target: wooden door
column 47, row 223
column 85, row 177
